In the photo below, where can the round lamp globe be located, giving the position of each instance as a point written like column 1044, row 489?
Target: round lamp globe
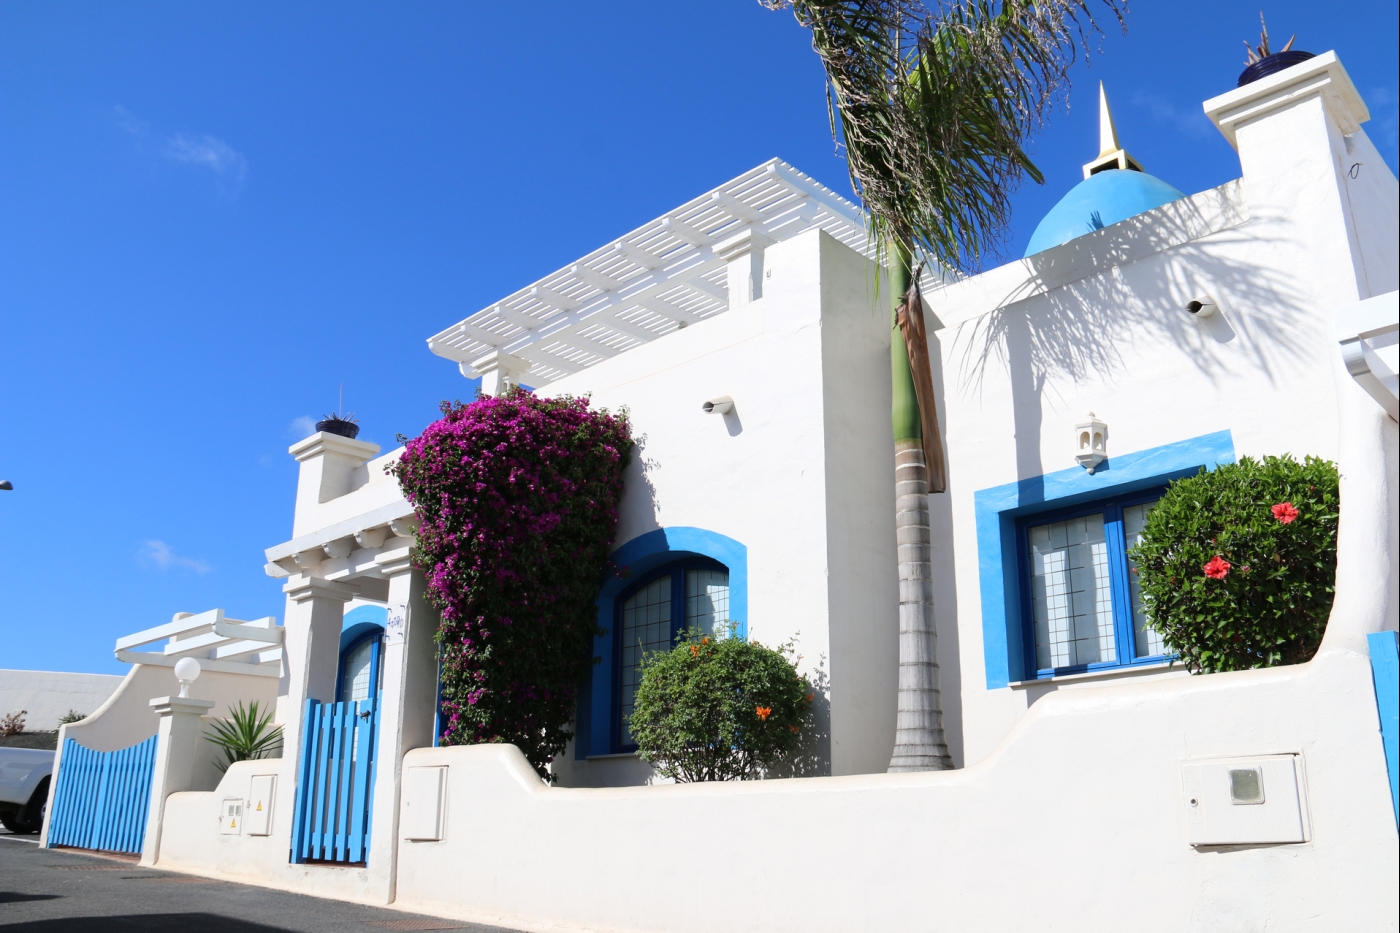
column 186, row 670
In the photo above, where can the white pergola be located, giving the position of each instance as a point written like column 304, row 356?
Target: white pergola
column 231, row 646
column 681, row 268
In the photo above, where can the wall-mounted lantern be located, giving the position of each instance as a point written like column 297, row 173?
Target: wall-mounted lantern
column 1090, row 442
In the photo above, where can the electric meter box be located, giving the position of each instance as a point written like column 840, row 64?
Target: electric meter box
column 257, row 812
column 423, row 792
column 231, row 817
column 1245, row 801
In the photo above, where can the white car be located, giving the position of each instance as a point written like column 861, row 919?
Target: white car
column 24, row 787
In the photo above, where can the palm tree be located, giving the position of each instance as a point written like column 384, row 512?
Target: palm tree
column 934, row 104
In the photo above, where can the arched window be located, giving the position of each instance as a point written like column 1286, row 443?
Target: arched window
column 692, row 594
column 360, row 676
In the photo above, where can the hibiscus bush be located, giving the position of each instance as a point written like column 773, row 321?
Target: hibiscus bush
column 518, row 498
column 719, row 709
column 1238, row 565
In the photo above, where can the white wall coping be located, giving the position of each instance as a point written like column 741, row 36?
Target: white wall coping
column 1115, row 673
column 1161, row 228
column 1321, row 75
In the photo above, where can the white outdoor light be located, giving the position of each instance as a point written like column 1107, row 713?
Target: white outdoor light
column 719, row 406
column 186, row 672
column 1203, row 306
column 1091, row 442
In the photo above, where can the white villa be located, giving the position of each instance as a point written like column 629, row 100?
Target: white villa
column 1089, row 791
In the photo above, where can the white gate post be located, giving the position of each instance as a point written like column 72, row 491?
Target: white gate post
column 311, row 660
column 408, row 707
column 176, row 747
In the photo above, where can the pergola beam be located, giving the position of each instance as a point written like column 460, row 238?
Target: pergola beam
column 772, row 197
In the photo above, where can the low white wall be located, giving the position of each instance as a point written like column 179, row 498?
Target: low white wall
column 126, row 718
column 48, row 695
column 191, row 841
column 1077, row 822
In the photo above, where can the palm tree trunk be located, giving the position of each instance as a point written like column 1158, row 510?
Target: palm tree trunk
column 919, row 744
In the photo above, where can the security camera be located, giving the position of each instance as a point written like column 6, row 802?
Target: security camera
column 1201, row 307
column 719, row 406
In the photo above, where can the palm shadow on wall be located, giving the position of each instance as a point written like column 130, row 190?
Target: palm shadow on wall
column 1082, row 331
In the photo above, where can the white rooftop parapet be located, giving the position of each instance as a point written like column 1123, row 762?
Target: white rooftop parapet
column 1367, row 332
column 218, row 643
column 688, row 265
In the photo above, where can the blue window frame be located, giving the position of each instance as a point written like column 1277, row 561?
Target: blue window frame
column 360, row 676
column 648, row 616
column 1081, row 605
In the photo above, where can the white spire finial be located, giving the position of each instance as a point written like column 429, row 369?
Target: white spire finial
column 1108, row 136
column 1111, row 153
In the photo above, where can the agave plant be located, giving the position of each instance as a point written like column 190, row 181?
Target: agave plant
column 1262, row 51
column 247, row 735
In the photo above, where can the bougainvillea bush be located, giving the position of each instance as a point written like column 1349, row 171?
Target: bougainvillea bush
column 719, row 709
column 1237, row 565
column 518, row 498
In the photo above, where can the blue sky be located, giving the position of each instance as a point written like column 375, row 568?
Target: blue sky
column 212, row 215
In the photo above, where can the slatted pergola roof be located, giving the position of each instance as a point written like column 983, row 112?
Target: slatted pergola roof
column 662, row 276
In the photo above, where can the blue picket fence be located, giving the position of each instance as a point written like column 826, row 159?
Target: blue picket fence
column 102, row 798
column 335, row 782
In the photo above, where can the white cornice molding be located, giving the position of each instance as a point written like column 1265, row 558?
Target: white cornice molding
column 301, row 588
column 323, row 442
column 1321, row 76
column 165, row 706
column 395, row 515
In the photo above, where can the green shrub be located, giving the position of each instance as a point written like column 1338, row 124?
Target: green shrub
column 1237, row 566
column 719, row 709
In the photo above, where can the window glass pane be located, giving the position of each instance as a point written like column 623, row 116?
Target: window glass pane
column 1072, row 606
column 355, row 675
column 1149, row 643
column 706, row 599
column 646, row 626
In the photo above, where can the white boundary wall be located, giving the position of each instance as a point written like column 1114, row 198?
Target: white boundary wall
column 49, row 695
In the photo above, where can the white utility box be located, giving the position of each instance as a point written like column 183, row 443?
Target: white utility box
column 257, row 815
column 1244, row 801
column 423, row 792
column 231, row 817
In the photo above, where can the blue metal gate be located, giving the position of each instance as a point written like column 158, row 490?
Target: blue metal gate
column 102, row 798
column 335, row 782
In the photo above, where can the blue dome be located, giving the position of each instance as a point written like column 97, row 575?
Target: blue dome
column 1099, row 201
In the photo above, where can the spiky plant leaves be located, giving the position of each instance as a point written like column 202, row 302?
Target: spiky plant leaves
column 934, row 105
column 247, row 735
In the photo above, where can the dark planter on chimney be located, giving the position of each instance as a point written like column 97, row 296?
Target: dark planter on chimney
column 336, row 426
column 1272, row 63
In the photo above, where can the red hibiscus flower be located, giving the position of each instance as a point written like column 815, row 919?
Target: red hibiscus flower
column 1217, row 568
column 1284, row 512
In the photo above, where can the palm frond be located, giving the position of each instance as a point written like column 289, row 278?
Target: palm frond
column 934, row 105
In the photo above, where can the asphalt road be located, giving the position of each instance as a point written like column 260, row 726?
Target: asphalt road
column 57, row 891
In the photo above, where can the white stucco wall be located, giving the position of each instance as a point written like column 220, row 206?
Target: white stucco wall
column 1097, row 324
column 49, row 695
column 1078, row 822
column 1072, row 813
column 801, row 473
column 126, row 718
